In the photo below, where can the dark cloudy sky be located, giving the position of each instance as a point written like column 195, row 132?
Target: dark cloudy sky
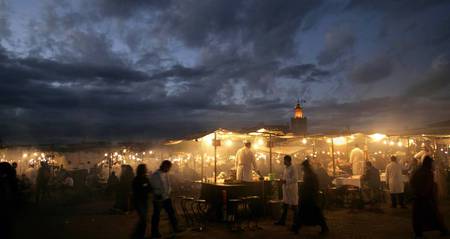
column 141, row 69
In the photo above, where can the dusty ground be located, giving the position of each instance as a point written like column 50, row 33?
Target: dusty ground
column 94, row 220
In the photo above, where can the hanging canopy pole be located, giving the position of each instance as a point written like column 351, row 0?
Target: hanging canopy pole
column 408, row 150
column 332, row 157
column 203, row 177
column 366, row 149
column 270, row 154
column 314, row 148
column 109, row 165
column 215, row 157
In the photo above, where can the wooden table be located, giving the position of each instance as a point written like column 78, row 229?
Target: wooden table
column 217, row 195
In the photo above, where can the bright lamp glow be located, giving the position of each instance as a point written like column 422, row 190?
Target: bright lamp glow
column 260, row 142
column 304, row 141
column 229, row 142
column 377, row 137
column 339, row 141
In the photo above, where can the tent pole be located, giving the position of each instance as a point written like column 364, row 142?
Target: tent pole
column 202, row 168
column 408, row 152
column 215, row 157
column 270, row 155
column 314, row 148
column 332, row 157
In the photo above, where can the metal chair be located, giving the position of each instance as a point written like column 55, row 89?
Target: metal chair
column 250, row 207
column 186, row 205
column 200, row 214
column 233, row 215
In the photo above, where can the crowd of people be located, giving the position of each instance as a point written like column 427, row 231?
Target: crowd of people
column 305, row 203
column 131, row 189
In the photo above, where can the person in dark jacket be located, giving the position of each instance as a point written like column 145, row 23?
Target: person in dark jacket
column 324, row 178
column 371, row 184
column 426, row 214
column 113, row 182
column 42, row 181
column 8, row 199
column 124, row 189
column 141, row 188
column 309, row 213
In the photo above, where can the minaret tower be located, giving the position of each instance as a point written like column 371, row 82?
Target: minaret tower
column 299, row 121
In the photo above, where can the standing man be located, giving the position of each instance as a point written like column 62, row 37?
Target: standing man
column 161, row 198
column 357, row 160
column 372, row 184
column 141, row 188
column 426, row 214
column 290, row 189
column 394, row 180
column 245, row 161
column 42, row 180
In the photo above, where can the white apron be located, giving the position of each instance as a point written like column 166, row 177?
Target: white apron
column 290, row 188
column 245, row 162
column 394, row 178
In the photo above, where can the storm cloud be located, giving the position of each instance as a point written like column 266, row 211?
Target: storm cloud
column 138, row 70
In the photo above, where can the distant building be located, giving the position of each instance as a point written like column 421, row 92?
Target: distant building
column 299, row 124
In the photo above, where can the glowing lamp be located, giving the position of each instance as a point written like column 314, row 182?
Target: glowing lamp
column 229, row 143
column 304, row 141
column 377, row 137
column 339, row 140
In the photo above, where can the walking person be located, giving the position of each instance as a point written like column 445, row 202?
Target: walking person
column 309, row 213
column 160, row 183
column 426, row 215
column 141, row 188
column 42, row 180
column 290, row 189
column 394, row 180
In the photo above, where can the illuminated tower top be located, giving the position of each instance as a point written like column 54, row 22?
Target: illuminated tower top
column 298, row 111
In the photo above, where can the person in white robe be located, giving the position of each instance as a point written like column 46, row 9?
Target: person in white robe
column 245, row 162
column 394, row 180
column 357, row 161
column 289, row 183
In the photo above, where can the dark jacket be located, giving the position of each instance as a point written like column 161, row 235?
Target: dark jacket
column 141, row 188
column 371, row 178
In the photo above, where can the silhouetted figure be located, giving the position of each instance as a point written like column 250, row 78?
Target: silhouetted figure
column 426, row 215
column 141, row 188
column 42, row 180
column 113, row 182
column 309, row 213
column 394, row 180
column 324, row 178
column 161, row 198
column 14, row 165
column 124, row 189
column 290, row 189
column 371, row 184
column 8, row 198
column 414, row 165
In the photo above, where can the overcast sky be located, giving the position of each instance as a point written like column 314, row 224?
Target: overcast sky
column 141, row 69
